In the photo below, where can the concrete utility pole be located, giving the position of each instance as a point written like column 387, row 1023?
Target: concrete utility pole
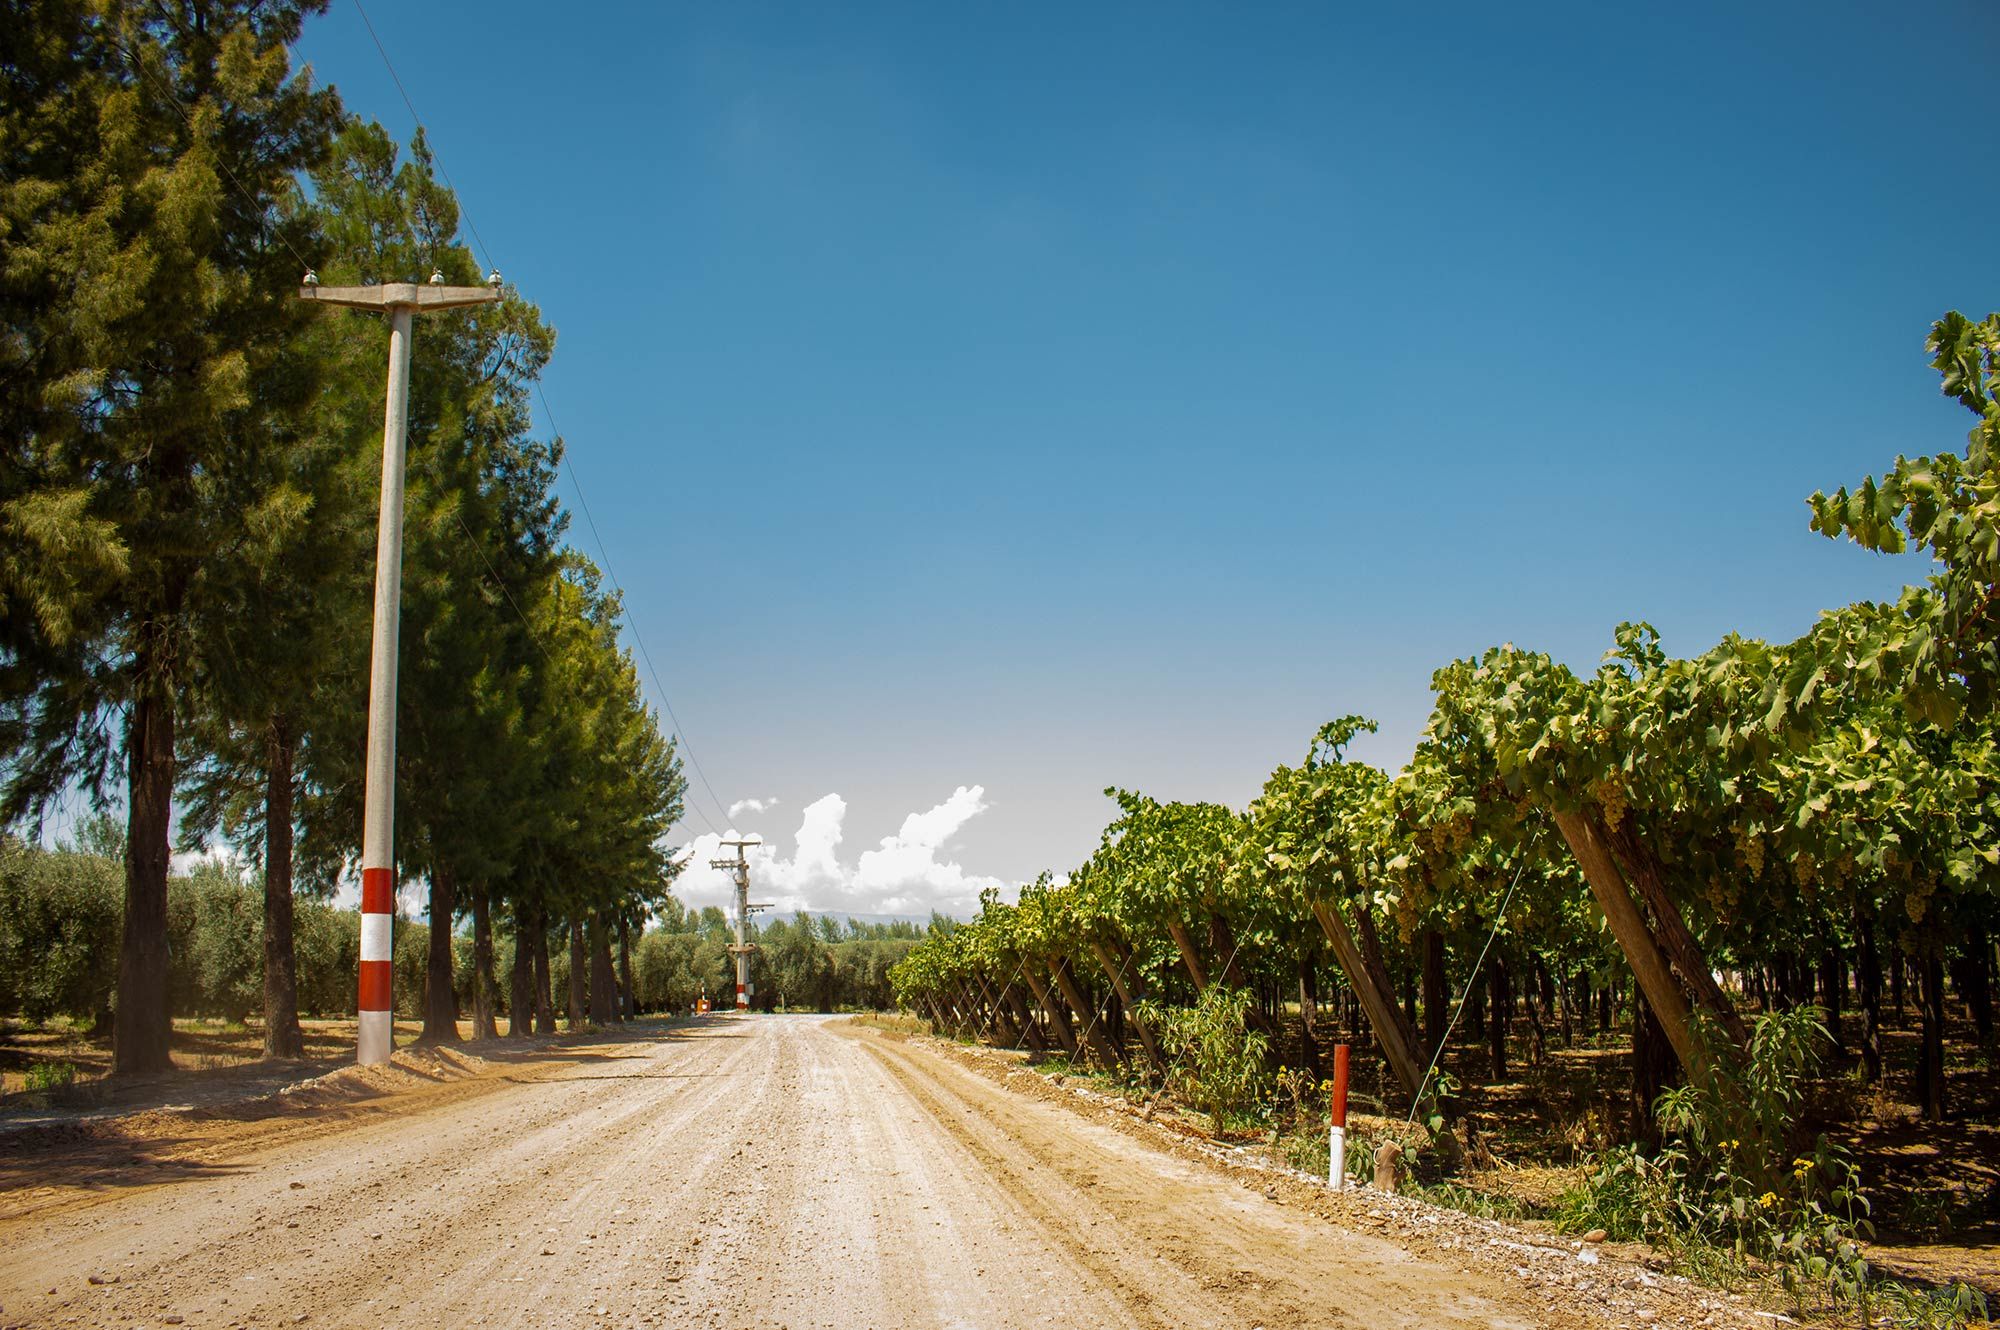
column 402, row 301
column 739, row 868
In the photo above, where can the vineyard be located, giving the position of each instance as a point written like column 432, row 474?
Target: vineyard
column 1675, row 975
column 1739, row 856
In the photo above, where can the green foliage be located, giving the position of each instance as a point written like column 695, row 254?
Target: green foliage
column 214, row 923
column 328, row 951
column 1216, row 1063
column 1732, row 1173
column 44, row 1076
column 1625, row 1193
column 1732, row 1182
column 60, row 914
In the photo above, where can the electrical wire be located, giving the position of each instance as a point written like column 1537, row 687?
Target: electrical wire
column 604, row 558
column 528, row 627
column 256, row 205
column 1500, row 917
column 436, row 157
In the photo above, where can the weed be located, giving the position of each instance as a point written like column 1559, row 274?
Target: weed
column 45, row 1076
column 1733, row 1184
column 1469, row 1200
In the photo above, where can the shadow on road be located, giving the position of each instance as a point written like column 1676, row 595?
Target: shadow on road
column 184, row 1125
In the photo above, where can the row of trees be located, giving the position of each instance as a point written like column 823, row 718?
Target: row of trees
column 1771, row 822
column 61, row 912
column 188, row 494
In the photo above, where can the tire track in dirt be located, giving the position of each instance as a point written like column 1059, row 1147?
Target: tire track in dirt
column 399, row 1202
column 1189, row 1247
column 750, row 1172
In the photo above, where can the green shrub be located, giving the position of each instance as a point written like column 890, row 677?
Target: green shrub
column 50, row 1076
column 1215, row 1062
column 327, row 945
column 215, row 922
column 411, row 960
column 60, row 918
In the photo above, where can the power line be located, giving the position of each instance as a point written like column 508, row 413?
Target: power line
column 645, row 655
column 529, row 627
column 604, row 557
column 256, row 206
column 464, row 214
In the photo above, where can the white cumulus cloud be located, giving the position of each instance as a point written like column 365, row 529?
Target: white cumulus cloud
column 742, row 806
column 908, row 873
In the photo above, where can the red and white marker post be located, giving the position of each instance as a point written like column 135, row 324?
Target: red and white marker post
column 1336, row 1164
column 401, row 301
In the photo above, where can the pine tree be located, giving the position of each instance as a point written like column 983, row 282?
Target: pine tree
column 149, row 212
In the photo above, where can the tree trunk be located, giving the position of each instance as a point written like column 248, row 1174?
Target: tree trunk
column 521, row 979
column 999, row 1027
column 1496, row 989
column 1975, row 982
column 1653, row 1068
column 1538, row 1004
column 282, row 1036
column 1642, row 952
column 1642, row 869
column 579, row 975
column 142, row 1031
column 1309, row 1017
column 1868, row 967
column 1031, row 1034
column 1093, row 1029
column 1371, row 955
column 1058, row 1018
column 485, row 986
column 1832, row 984
column 545, row 996
column 1189, row 957
column 628, row 1002
column 1896, row 984
column 1223, row 938
column 1377, row 1004
column 1131, row 991
column 440, row 1002
column 1436, row 999
column 603, row 983
column 1930, row 1062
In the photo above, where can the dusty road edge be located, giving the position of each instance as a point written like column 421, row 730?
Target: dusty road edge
column 1604, row 1282
column 62, row 1165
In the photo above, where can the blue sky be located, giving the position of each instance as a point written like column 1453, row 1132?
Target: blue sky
column 985, row 405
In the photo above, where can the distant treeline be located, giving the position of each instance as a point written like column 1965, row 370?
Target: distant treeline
column 61, row 913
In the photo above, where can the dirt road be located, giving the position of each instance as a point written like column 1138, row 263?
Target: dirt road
column 751, row 1172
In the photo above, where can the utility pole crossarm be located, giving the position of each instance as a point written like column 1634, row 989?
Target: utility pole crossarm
column 739, row 868
column 421, row 297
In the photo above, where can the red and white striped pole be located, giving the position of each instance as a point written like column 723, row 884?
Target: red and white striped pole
column 400, row 301
column 377, row 1039
column 1336, row 1163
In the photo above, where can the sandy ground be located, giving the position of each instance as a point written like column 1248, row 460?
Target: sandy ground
column 747, row 1172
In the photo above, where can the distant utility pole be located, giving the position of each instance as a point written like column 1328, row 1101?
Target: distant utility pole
column 402, row 301
column 739, row 868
